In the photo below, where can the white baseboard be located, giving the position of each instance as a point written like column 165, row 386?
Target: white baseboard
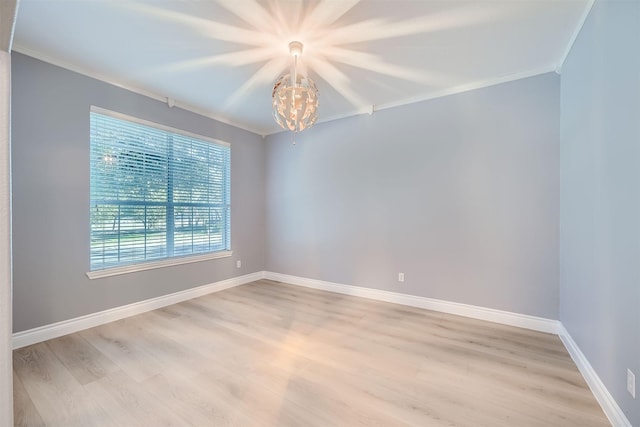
column 602, row 395
column 604, row 398
column 54, row 330
column 498, row 316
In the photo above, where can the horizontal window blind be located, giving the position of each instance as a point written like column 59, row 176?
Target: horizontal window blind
column 156, row 192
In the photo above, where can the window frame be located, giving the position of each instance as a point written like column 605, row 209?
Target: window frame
column 171, row 260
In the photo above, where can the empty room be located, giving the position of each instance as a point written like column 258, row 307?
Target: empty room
column 319, row 213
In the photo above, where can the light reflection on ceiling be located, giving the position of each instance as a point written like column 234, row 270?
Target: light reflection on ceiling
column 223, row 57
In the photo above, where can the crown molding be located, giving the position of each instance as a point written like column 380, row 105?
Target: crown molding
column 132, row 88
column 467, row 87
column 574, row 36
column 368, row 109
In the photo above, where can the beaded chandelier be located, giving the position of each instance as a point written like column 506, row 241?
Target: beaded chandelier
column 295, row 97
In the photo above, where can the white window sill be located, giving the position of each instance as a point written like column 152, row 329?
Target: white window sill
column 114, row 271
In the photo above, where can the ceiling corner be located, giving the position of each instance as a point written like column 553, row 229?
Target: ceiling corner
column 574, row 36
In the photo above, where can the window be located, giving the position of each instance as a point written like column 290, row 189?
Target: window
column 156, row 192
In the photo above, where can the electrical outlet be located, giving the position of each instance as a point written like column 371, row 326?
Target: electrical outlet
column 631, row 383
column 238, row 263
column 400, row 277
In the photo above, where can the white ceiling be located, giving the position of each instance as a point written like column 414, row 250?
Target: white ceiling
column 221, row 58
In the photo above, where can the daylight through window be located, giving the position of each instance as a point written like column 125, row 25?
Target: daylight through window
column 156, row 192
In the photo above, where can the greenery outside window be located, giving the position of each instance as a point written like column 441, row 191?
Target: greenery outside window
column 156, row 192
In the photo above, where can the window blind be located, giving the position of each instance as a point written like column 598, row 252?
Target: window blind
column 156, row 192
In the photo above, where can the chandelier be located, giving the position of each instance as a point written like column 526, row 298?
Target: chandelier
column 295, row 97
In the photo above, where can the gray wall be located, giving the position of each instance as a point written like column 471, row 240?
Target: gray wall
column 50, row 131
column 600, row 196
column 460, row 193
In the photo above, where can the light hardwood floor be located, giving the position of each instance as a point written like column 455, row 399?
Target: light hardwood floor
column 271, row 354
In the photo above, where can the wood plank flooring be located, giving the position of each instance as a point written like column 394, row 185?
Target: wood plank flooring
column 270, row 354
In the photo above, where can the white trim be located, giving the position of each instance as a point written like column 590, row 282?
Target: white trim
column 475, row 312
column 479, row 84
column 576, row 32
column 165, row 128
column 131, row 87
column 602, row 395
column 604, row 398
column 168, row 262
column 6, row 378
column 8, row 15
column 265, row 132
column 47, row 332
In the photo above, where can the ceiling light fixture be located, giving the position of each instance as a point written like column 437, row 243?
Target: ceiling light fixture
column 295, row 97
